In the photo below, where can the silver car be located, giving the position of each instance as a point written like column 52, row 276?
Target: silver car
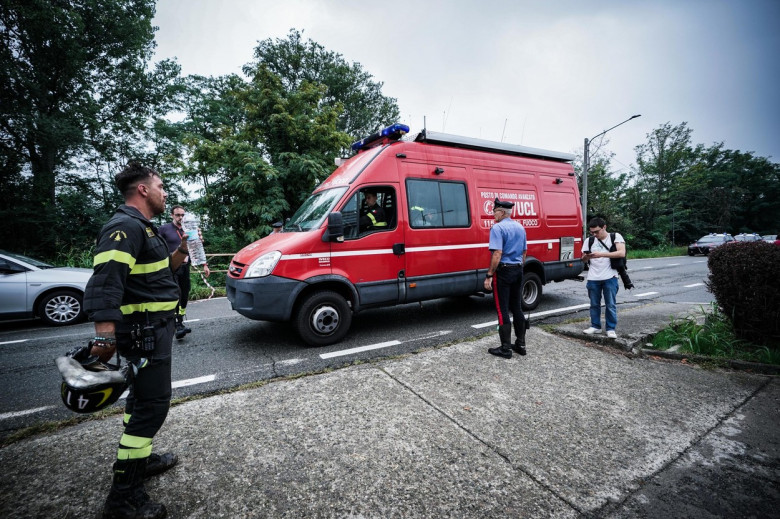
column 30, row 288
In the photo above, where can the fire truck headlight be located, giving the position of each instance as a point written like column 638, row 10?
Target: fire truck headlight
column 263, row 265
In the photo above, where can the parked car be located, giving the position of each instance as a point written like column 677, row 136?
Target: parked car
column 30, row 288
column 771, row 238
column 747, row 237
column 706, row 243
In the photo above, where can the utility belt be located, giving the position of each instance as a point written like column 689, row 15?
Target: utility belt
column 142, row 334
column 510, row 265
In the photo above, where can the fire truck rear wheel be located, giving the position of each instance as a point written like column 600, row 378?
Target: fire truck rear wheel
column 323, row 318
column 532, row 291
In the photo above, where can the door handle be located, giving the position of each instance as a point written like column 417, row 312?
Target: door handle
column 399, row 248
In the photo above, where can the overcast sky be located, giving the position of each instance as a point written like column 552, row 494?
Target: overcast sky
column 544, row 74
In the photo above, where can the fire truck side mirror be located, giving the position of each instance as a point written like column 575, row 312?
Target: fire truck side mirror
column 335, row 230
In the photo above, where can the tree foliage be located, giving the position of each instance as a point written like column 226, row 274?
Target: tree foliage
column 363, row 107
column 76, row 94
column 258, row 147
column 679, row 191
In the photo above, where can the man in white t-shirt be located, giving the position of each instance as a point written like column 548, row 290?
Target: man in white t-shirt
column 602, row 278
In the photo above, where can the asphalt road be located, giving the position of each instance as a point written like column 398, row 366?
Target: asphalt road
column 226, row 350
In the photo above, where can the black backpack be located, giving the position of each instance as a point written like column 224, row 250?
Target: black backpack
column 616, row 263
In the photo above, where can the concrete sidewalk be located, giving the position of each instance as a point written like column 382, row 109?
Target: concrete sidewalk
column 566, row 431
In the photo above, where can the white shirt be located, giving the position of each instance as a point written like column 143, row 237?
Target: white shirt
column 600, row 269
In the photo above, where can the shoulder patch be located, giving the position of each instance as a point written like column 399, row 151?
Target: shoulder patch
column 118, row 235
column 149, row 232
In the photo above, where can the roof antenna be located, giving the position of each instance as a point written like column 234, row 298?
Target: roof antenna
column 504, row 130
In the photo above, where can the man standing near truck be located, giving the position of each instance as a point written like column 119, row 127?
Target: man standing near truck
column 131, row 297
column 173, row 234
column 602, row 278
column 508, row 247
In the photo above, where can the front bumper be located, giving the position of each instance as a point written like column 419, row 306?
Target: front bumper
column 269, row 298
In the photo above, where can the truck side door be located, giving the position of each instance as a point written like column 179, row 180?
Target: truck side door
column 371, row 255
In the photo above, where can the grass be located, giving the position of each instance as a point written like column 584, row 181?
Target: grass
column 714, row 338
column 661, row 251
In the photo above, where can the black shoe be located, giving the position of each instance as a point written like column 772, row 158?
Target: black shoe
column 519, row 349
column 128, row 498
column 133, row 504
column 181, row 331
column 187, row 329
column 505, row 353
column 158, row 463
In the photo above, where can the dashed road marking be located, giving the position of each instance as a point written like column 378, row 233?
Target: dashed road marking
column 359, row 349
column 16, row 414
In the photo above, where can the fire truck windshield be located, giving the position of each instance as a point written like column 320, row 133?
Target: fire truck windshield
column 314, row 210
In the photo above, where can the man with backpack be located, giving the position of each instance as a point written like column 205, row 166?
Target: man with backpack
column 601, row 251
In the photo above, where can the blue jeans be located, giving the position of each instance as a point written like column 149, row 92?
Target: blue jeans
column 609, row 287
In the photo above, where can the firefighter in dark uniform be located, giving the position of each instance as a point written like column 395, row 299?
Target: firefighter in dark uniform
column 131, row 297
column 508, row 248
column 374, row 216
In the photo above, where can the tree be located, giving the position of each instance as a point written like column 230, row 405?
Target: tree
column 650, row 202
column 74, row 91
column 294, row 61
column 262, row 151
column 259, row 147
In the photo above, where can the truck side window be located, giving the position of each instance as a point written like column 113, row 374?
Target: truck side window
column 369, row 210
column 436, row 204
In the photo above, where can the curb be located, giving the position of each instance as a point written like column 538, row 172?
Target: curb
column 740, row 365
column 634, row 343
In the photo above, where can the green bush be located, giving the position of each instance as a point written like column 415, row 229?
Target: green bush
column 745, row 280
column 714, row 337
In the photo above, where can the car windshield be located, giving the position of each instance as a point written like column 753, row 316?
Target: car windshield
column 28, row 260
column 314, row 210
column 710, row 239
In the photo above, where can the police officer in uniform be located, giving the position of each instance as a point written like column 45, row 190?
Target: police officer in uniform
column 131, row 297
column 508, row 249
column 374, row 216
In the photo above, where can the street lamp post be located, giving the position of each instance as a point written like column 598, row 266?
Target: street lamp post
column 585, row 167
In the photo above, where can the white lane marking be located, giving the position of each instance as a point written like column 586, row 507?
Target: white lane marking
column 193, row 381
column 672, row 264
column 192, row 320
column 16, row 414
column 536, row 314
column 359, row 349
column 289, row 362
column 184, row 383
column 695, row 285
column 14, row 342
column 431, row 335
column 646, row 268
column 646, row 294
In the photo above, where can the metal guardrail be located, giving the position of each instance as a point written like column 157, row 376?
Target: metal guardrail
column 230, row 254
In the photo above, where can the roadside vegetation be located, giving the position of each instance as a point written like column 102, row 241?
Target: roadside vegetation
column 744, row 321
column 660, row 251
column 712, row 334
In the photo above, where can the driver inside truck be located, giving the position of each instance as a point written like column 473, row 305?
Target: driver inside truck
column 372, row 215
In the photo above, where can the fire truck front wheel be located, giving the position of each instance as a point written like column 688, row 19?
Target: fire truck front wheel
column 532, row 291
column 323, row 318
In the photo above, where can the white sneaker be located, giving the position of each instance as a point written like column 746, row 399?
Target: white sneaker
column 611, row 334
column 591, row 330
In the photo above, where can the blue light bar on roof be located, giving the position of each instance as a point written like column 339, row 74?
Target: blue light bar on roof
column 393, row 132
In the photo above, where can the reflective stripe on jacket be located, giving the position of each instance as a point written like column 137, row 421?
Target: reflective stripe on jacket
column 132, row 271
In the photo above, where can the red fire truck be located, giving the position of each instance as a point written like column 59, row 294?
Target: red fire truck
column 436, row 193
